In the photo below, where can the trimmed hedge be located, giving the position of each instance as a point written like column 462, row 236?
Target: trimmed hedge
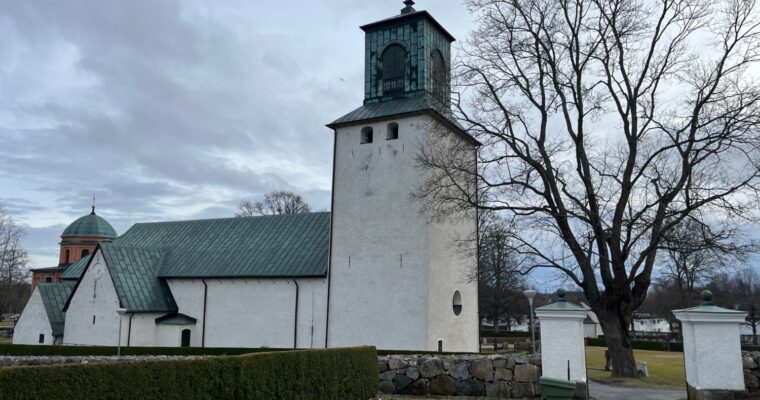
column 298, row 374
column 39, row 350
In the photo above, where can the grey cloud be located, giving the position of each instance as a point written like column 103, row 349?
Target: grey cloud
column 152, row 104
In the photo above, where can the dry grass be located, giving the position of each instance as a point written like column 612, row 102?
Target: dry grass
column 666, row 369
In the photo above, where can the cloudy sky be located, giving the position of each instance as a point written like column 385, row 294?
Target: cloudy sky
column 174, row 109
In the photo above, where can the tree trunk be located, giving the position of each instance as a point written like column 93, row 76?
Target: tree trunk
column 615, row 328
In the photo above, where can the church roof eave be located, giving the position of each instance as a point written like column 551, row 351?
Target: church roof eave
column 380, row 111
column 405, row 17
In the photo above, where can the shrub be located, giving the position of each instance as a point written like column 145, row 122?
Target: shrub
column 298, row 374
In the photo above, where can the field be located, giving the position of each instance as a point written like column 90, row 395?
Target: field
column 665, row 368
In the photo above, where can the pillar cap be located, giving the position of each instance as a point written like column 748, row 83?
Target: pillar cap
column 562, row 308
column 708, row 312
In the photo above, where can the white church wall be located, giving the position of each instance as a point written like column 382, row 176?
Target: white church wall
column 379, row 285
column 449, row 272
column 260, row 313
column 188, row 294
column 33, row 323
column 142, row 331
column 451, row 268
column 91, row 318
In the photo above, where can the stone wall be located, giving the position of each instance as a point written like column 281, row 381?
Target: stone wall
column 751, row 364
column 16, row 361
column 498, row 376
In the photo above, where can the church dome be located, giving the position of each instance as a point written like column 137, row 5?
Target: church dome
column 90, row 225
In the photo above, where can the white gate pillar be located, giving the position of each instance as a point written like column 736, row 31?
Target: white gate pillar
column 712, row 350
column 562, row 341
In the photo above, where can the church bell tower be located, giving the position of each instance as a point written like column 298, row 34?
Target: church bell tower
column 396, row 279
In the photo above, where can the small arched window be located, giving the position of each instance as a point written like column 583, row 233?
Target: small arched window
column 392, row 131
column 66, row 256
column 185, row 340
column 394, row 70
column 367, row 135
column 439, row 75
column 85, row 253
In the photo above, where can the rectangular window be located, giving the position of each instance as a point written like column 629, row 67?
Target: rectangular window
column 42, row 338
column 48, row 279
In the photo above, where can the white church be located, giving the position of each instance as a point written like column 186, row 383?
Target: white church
column 377, row 270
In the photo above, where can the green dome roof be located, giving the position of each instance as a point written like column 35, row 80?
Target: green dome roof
column 90, row 225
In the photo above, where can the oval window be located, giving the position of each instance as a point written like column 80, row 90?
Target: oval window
column 457, row 303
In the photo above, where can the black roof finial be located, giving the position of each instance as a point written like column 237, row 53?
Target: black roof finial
column 93, row 205
column 408, row 9
column 707, row 298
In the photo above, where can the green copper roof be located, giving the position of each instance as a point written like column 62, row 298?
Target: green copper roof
column 561, row 306
column 401, row 107
column 54, row 296
column 134, row 271
column 90, row 225
column 268, row 246
column 74, row 271
column 710, row 310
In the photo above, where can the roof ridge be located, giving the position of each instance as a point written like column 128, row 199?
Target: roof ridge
column 229, row 218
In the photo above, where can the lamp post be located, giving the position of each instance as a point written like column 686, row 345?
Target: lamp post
column 530, row 294
column 121, row 312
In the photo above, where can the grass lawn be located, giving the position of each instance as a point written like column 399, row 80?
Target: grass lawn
column 665, row 368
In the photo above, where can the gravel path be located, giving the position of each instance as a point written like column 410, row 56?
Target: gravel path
column 607, row 392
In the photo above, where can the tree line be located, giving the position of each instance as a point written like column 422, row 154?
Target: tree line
column 14, row 274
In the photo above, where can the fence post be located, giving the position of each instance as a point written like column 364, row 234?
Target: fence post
column 563, row 353
column 712, row 350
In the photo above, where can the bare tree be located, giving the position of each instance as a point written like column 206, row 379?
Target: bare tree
column 13, row 269
column 695, row 252
column 604, row 125
column 274, row 203
column 499, row 274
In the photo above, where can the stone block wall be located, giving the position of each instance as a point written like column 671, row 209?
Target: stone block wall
column 496, row 376
column 751, row 365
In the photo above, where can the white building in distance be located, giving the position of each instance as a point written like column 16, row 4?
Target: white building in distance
column 378, row 270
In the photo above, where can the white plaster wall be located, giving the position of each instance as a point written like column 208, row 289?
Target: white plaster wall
column 33, row 322
column 188, row 294
column 713, row 356
column 144, row 332
column 96, row 297
column 450, row 268
column 562, row 340
column 261, row 313
column 379, row 268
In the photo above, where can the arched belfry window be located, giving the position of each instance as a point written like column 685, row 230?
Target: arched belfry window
column 392, row 131
column 439, row 74
column 66, row 256
column 394, row 70
column 367, row 135
column 85, row 253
